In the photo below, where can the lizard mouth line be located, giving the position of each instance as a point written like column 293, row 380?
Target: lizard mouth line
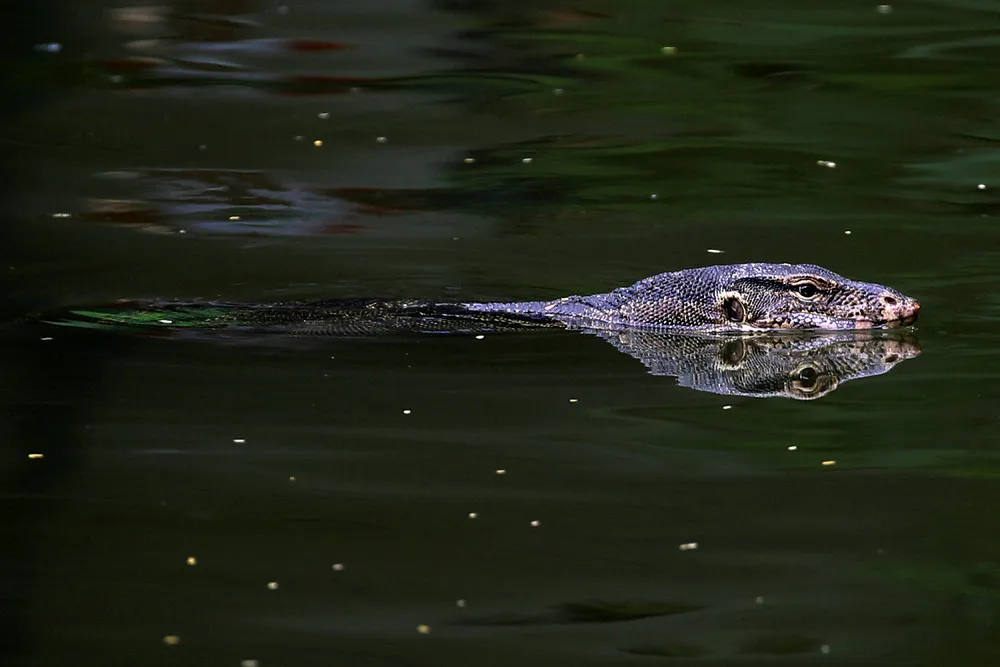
column 889, row 324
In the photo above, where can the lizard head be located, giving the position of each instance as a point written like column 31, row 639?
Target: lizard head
column 805, row 296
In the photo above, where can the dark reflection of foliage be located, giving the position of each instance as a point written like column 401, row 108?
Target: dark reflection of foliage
column 787, row 644
column 597, row 611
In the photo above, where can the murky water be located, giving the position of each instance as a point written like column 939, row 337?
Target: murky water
column 518, row 498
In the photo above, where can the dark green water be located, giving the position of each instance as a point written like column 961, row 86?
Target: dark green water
column 492, row 150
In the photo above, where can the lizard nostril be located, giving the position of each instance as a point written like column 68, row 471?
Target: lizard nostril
column 889, row 301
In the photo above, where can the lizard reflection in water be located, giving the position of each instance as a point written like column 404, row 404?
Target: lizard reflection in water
column 723, row 329
column 799, row 366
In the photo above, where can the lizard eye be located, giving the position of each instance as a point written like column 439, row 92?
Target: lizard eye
column 806, row 290
column 734, row 309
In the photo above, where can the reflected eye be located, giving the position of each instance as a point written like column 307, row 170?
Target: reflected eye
column 807, row 377
column 734, row 309
column 806, row 290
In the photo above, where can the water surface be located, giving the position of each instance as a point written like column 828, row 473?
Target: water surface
column 528, row 497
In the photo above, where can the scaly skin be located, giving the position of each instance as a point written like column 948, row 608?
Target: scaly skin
column 737, row 297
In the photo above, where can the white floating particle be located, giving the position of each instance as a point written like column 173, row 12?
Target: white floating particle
column 558, row 91
column 574, row 400
column 527, row 160
column 46, row 338
column 727, row 407
column 239, row 441
column 827, row 163
column 36, row 456
column 165, row 321
column 49, row 47
column 234, row 218
column 669, row 50
column 981, row 186
column 66, row 215
column 824, row 649
column 299, row 137
column 473, row 515
column 480, row 337
column 654, row 196
column 406, row 412
column 884, row 9
column 323, row 115
column 171, row 640
column 759, row 599
column 460, row 603
column 831, row 462
column 715, row 251
column 338, row 567
column 249, row 663
column 792, row 448
column 423, row 629
column 272, row 585
column 847, row 231
column 501, row 471
column 182, row 231
column 191, row 560
column 318, row 143
column 688, row 546
column 381, row 140
column 469, row 160
column 536, row 524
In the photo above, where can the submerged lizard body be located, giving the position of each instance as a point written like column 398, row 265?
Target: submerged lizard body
column 732, row 298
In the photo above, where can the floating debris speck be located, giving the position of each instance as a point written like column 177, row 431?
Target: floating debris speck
column 688, row 546
column 318, row 143
column 669, row 50
column 324, row 115
column 272, row 585
column 423, row 629
column 536, row 524
column 36, row 456
column 191, row 560
column 715, row 251
column 338, row 567
column 407, row 412
column 831, row 462
column 171, row 640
